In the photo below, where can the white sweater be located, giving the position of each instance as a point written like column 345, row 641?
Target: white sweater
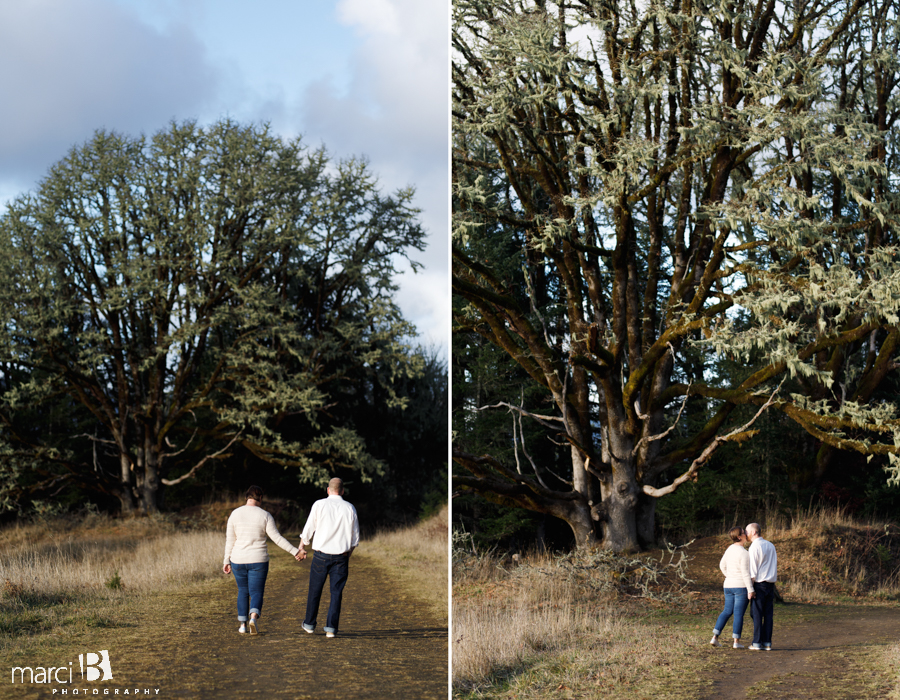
column 735, row 564
column 245, row 536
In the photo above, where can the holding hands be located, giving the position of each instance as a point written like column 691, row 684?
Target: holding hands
column 301, row 555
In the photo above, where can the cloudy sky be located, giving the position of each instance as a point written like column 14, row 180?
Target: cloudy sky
column 362, row 77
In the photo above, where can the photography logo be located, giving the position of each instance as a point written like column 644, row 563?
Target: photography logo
column 93, row 667
column 95, row 663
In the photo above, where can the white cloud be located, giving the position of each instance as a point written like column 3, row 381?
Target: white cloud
column 70, row 68
column 376, row 16
column 395, row 111
column 363, row 77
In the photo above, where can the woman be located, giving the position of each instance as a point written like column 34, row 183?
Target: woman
column 735, row 564
column 247, row 557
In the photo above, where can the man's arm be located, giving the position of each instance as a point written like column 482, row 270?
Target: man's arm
column 308, row 531
column 354, row 537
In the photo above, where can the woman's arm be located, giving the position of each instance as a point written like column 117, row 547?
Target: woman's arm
column 275, row 536
column 745, row 571
column 230, row 538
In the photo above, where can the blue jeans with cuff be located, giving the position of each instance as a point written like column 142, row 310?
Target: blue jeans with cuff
column 335, row 567
column 735, row 602
column 251, row 583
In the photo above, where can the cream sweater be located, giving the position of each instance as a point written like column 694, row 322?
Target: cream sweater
column 735, row 564
column 245, row 536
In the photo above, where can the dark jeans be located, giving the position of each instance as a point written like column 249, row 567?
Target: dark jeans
column 761, row 608
column 251, row 583
column 335, row 567
column 735, row 602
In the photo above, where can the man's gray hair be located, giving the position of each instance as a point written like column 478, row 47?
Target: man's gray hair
column 757, row 530
column 336, row 485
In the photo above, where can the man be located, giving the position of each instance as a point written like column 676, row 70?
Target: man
column 335, row 527
column 763, row 573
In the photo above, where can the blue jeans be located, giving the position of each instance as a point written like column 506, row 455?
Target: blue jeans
column 335, row 567
column 735, row 602
column 761, row 611
column 251, row 583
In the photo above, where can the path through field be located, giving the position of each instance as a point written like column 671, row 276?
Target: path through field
column 186, row 645
column 819, row 652
column 811, row 660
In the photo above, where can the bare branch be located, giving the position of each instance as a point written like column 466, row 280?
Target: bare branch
column 660, row 436
column 525, row 452
column 172, row 482
column 166, row 455
column 691, row 473
column 540, row 419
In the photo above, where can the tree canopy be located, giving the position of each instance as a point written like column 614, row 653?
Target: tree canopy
column 644, row 191
column 191, row 296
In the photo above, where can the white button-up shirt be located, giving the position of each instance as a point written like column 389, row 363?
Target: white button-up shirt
column 332, row 526
column 763, row 561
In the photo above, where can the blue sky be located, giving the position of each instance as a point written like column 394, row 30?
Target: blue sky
column 361, row 77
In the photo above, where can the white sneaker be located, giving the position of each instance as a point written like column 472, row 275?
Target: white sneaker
column 329, row 634
column 715, row 642
column 253, row 626
column 243, row 628
column 738, row 645
column 306, row 630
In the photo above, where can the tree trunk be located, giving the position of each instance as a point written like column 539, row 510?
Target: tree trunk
column 579, row 518
column 620, row 532
column 151, row 478
column 125, row 493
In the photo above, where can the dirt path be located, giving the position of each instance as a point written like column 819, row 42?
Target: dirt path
column 815, row 659
column 185, row 644
column 819, row 651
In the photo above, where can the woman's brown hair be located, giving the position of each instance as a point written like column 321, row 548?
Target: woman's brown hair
column 735, row 533
column 256, row 493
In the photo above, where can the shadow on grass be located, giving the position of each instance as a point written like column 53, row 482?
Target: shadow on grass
column 420, row 633
column 27, row 613
column 500, row 680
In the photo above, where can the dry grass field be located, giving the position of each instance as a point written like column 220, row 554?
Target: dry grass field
column 61, row 577
column 419, row 556
column 67, row 574
column 547, row 623
column 577, row 625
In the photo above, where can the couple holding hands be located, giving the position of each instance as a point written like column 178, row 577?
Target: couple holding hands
column 332, row 525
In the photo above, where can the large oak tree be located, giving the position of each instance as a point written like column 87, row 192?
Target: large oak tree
column 640, row 188
column 200, row 293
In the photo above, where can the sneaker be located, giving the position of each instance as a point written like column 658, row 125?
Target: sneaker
column 755, row 647
column 767, row 647
column 329, row 634
column 253, row 628
column 715, row 642
column 307, row 631
column 738, row 645
column 243, row 628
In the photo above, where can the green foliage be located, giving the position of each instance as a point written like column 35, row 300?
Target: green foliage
column 114, row 582
column 201, row 294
